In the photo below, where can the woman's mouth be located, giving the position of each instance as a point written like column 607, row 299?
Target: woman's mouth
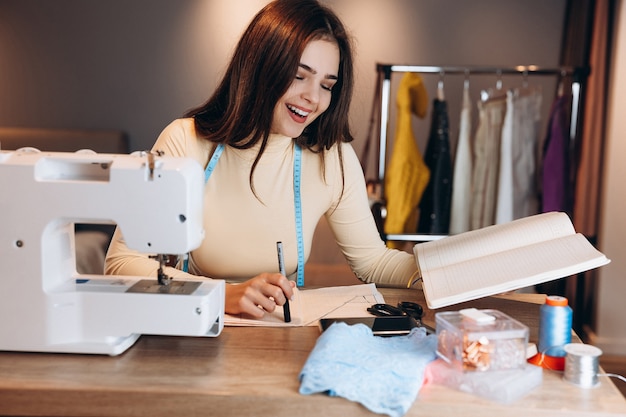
column 297, row 114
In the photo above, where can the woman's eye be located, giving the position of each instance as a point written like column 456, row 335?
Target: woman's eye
column 327, row 87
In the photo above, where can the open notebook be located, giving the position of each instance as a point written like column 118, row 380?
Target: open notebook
column 502, row 258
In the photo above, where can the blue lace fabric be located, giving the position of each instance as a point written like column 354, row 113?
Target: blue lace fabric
column 384, row 374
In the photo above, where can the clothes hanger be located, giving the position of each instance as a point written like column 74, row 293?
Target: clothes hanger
column 466, row 89
column 561, row 87
column 440, row 90
column 526, row 89
column 499, row 81
column 493, row 94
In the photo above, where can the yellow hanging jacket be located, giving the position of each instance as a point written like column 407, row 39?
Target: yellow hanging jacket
column 407, row 174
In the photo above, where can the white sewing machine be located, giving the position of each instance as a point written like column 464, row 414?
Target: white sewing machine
column 45, row 305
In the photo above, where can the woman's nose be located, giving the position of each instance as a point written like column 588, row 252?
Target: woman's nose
column 311, row 93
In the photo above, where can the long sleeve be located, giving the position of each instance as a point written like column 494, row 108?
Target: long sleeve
column 357, row 235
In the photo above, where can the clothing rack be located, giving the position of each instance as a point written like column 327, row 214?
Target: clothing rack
column 577, row 74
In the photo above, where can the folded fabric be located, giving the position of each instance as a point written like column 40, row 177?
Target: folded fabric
column 384, row 374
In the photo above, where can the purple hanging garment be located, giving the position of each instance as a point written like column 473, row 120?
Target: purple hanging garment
column 555, row 181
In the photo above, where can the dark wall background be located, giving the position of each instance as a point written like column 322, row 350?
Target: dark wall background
column 135, row 65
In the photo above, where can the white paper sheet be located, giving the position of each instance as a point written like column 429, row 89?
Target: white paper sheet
column 310, row 305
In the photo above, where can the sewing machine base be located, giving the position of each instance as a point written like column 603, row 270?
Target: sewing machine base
column 101, row 315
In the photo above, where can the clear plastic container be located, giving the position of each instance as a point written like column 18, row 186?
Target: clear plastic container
column 501, row 386
column 484, row 340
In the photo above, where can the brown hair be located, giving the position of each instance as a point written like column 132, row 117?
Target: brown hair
column 263, row 66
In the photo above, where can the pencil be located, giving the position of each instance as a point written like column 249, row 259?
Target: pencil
column 281, row 268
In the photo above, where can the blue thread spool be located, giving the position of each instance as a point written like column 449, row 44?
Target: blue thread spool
column 555, row 326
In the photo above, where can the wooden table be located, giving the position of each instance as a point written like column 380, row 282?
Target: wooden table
column 252, row 372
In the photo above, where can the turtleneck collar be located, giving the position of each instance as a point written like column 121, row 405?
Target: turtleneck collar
column 277, row 146
column 276, row 143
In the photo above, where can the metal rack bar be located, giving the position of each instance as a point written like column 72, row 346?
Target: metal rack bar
column 476, row 70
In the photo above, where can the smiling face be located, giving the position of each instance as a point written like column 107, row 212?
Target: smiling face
column 310, row 92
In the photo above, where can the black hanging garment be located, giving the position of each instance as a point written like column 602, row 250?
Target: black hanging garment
column 435, row 205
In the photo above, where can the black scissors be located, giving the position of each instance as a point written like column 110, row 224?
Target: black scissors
column 403, row 308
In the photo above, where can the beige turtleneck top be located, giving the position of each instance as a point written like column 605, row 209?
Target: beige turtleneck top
column 241, row 230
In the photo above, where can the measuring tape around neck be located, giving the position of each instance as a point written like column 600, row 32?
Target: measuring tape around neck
column 297, row 202
column 213, row 162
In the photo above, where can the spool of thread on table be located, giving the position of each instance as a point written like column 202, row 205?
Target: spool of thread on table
column 582, row 364
column 555, row 326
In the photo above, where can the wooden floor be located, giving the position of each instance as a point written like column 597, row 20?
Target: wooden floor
column 615, row 365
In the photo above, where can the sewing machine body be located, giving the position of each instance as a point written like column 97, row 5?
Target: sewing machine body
column 45, row 305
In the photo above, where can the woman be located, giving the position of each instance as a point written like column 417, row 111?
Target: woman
column 275, row 138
